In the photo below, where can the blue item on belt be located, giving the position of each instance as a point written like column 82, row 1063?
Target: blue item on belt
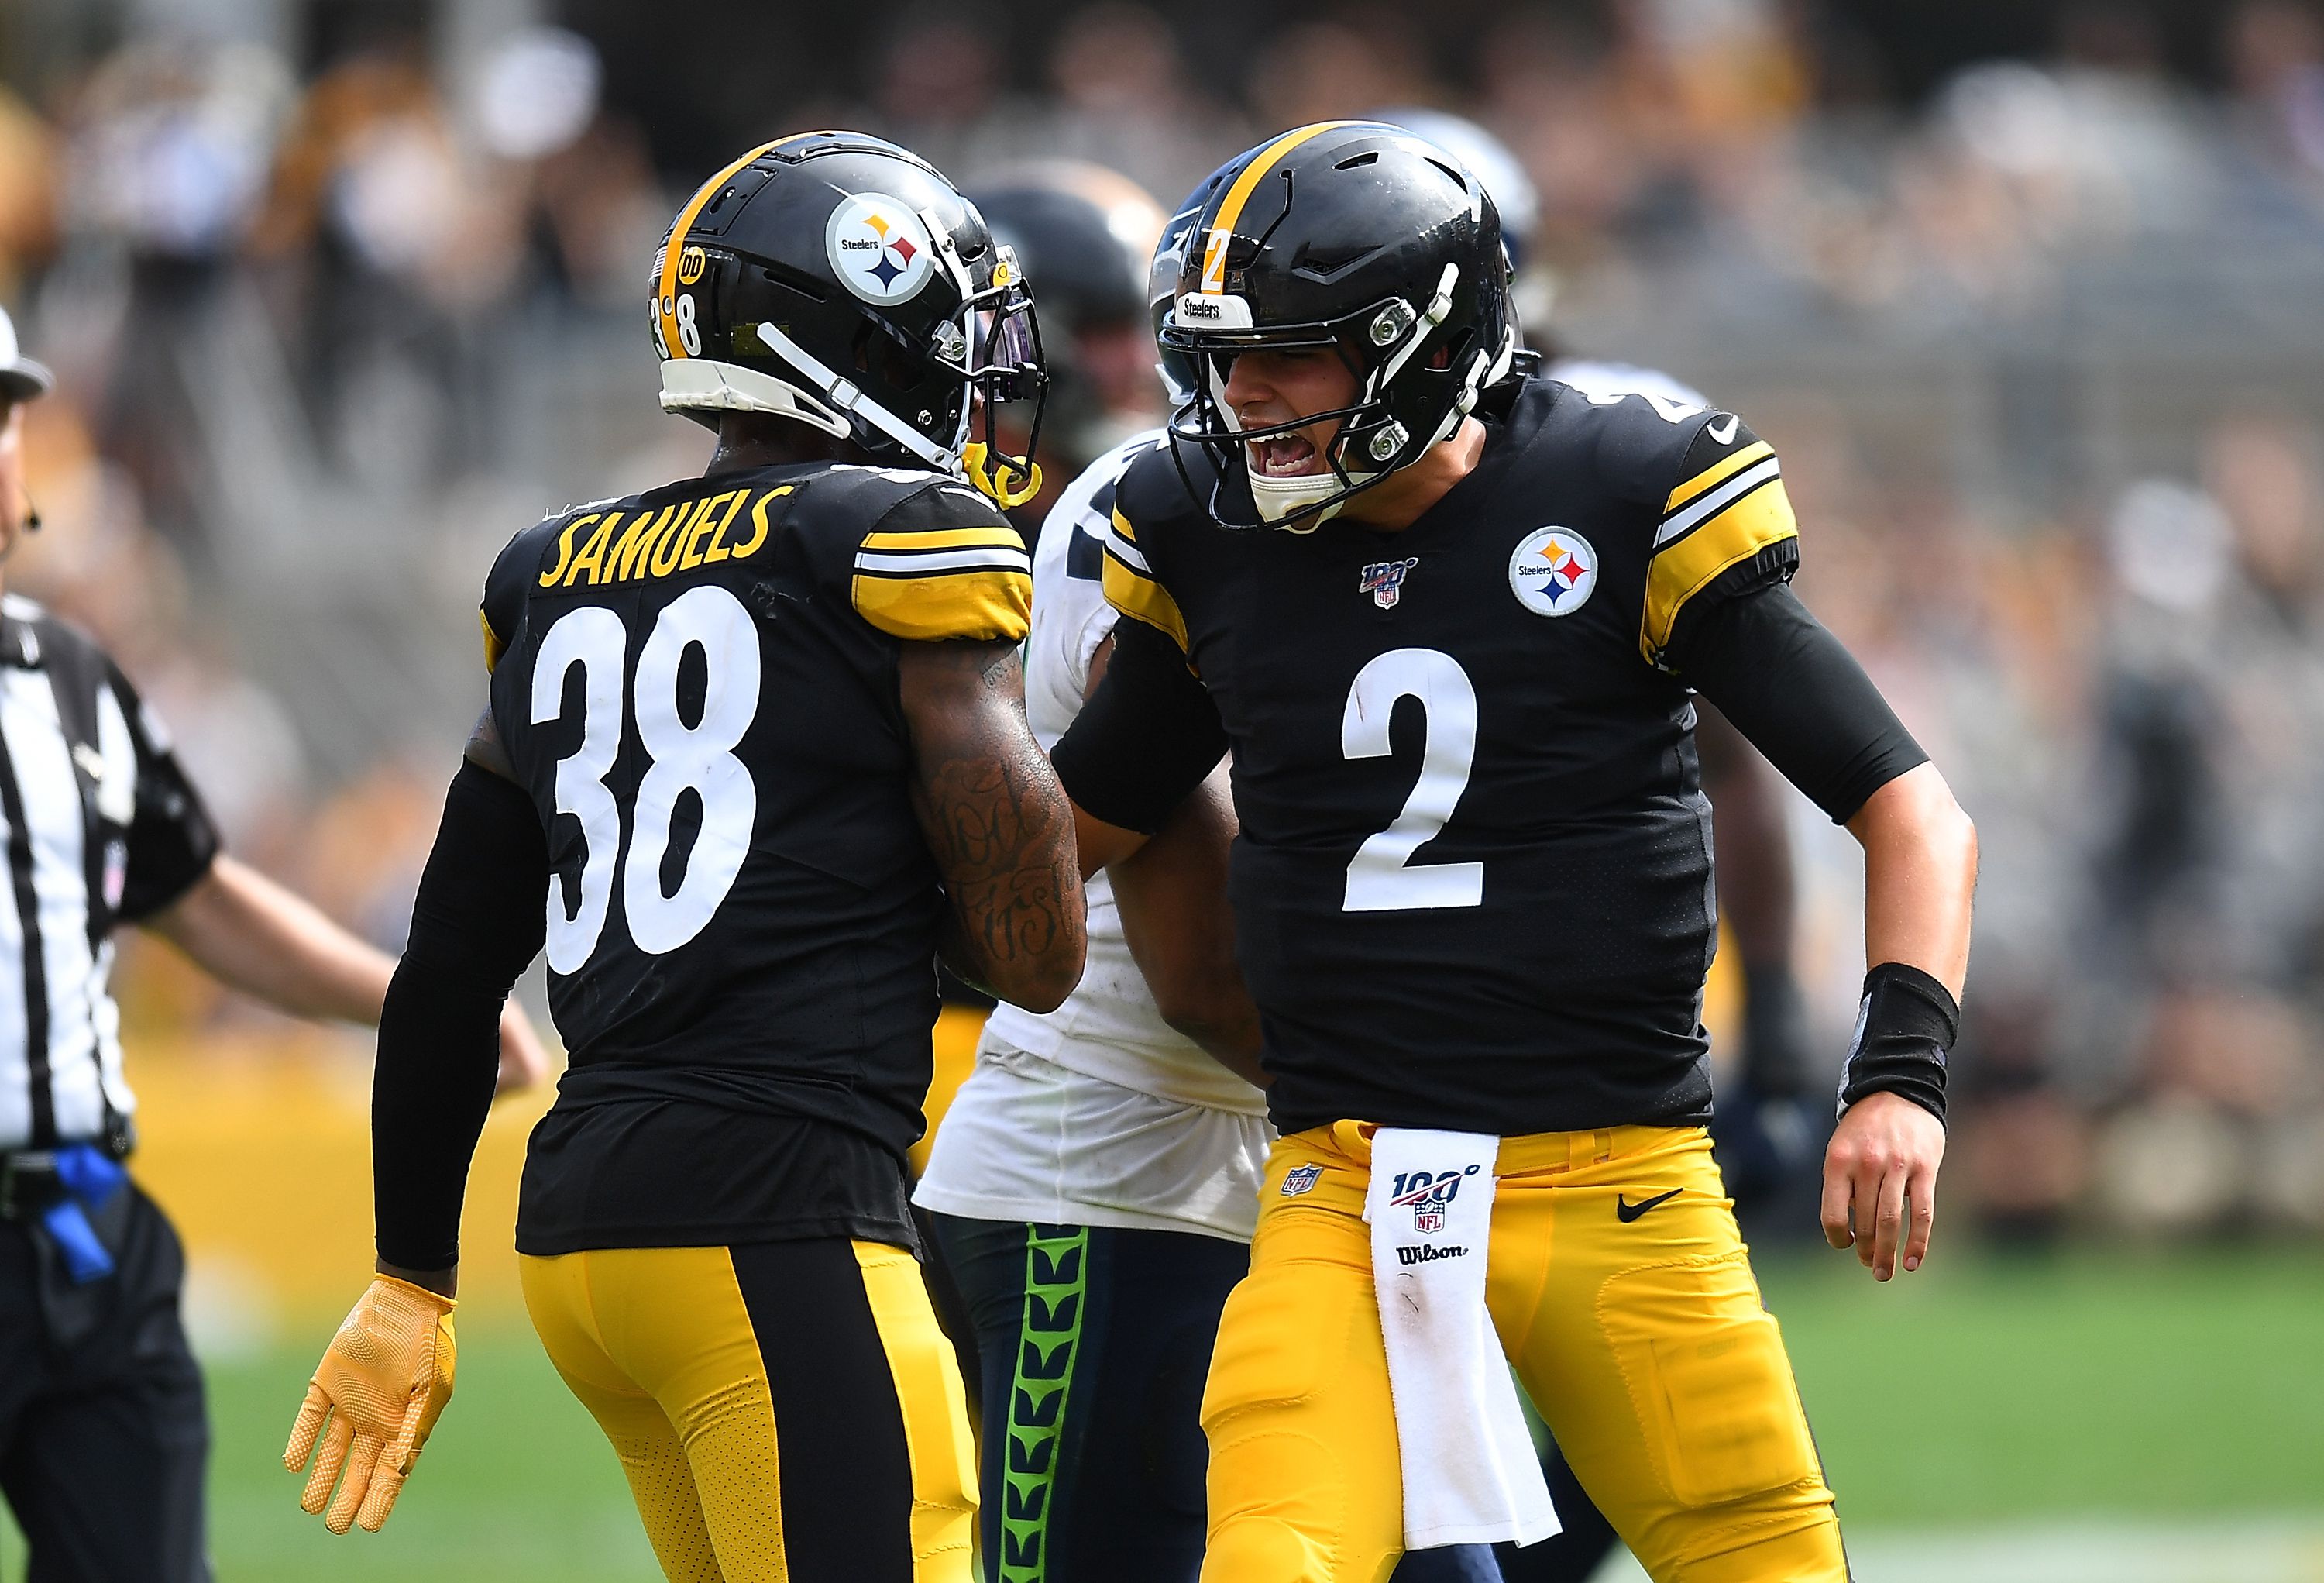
column 90, row 1177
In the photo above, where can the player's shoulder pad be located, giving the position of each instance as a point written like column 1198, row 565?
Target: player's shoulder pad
column 932, row 559
column 1723, row 517
column 1153, row 493
column 1084, row 509
column 1149, row 501
column 513, row 573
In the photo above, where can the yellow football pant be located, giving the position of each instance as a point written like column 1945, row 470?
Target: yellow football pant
column 1639, row 1333
column 785, row 1412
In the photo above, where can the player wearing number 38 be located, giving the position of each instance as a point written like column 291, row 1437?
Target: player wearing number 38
column 758, row 739
column 1449, row 615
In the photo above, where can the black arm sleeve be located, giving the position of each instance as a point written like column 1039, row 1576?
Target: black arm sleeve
column 1147, row 738
column 173, row 841
column 476, row 924
column 1799, row 696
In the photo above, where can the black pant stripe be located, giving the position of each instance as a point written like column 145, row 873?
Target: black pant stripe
column 841, row 1448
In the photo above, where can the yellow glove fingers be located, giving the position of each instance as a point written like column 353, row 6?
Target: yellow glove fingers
column 386, row 1484
column 328, row 1462
column 312, row 1413
column 380, row 1388
column 355, row 1485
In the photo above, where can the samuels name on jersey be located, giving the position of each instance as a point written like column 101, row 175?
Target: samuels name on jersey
column 1474, row 887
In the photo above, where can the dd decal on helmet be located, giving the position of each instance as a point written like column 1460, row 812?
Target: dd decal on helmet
column 842, row 282
column 1358, row 238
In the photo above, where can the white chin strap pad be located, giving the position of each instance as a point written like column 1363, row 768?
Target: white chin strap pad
column 1280, row 499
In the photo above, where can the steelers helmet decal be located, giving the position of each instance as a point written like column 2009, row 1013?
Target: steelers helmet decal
column 878, row 248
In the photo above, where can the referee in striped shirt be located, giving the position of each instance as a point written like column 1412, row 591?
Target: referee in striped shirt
column 101, row 1432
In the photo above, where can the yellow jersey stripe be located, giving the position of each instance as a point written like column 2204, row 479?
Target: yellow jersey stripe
column 1231, row 207
column 1139, row 597
column 1725, row 467
column 987, row 604
column 991, row 538
column 1760, row 519
column 493, row 647
column 667, row 302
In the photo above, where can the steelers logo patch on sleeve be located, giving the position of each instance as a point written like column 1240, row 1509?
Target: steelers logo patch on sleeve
column 1552, row 571
column 878, row 248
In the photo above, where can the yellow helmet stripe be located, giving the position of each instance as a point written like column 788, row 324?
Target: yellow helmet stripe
column 1239, row 194
column 667, row 302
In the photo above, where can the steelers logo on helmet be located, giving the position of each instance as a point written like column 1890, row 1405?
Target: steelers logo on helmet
column 1552, row 571
column 878, row 248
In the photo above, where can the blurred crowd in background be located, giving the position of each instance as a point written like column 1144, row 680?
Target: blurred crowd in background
column 341, row 294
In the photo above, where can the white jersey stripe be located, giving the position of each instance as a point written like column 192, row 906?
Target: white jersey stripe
column 942, row 562
column 53, row 817
column 1716, row 501
column 15, row 1069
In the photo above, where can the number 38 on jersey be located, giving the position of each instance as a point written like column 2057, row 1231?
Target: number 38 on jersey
column 697, row 757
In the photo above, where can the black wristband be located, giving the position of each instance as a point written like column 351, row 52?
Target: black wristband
column 1903, row 1028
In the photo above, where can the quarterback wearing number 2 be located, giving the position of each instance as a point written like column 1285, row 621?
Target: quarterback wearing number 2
column 757, row 738
column 1449, row 615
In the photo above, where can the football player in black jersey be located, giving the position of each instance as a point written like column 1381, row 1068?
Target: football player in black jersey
column 1449, row 616
column 759, row 739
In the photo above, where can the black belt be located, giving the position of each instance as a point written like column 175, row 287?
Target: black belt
column 29, row 1181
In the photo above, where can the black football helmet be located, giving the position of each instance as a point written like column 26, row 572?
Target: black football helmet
column 1083, row 234
column 1178, row 370
column 1360, row 237
column 835, row 279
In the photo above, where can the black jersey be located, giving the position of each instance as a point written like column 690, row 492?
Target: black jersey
column 1473, row 883
column 698, row 688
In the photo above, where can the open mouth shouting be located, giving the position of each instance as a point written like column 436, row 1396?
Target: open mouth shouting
column 1286, row 455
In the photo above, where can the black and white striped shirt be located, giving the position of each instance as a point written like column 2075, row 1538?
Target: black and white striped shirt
column 101, row 826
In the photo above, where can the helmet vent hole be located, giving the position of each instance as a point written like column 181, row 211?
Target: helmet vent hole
column 1327, row 266
column 1369, row 157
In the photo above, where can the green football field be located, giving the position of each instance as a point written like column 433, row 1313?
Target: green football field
column 2175, row 1399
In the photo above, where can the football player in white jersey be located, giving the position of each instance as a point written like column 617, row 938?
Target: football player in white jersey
column 1094, row 1184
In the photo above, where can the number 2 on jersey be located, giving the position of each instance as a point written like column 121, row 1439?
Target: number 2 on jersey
column 699, row 758
column 1382, row 877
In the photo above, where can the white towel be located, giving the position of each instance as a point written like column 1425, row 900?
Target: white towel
column 1471, row 1474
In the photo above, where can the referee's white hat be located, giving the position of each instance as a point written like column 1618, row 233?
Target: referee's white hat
column 20, row 378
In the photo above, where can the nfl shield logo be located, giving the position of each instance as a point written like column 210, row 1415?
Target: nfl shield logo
column 1384, row 580
column 1427, row 1222
column 1301, row 1179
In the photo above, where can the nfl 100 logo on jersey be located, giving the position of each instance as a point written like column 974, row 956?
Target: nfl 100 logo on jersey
column 1552, row 571
column 1384, row 580
column 1427, row 1194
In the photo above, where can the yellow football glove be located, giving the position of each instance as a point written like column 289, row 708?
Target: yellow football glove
column 382, row 1385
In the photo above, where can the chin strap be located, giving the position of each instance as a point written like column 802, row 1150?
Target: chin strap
column 997, row 483
column 1284, row 503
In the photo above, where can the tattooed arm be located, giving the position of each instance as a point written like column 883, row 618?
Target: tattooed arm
column 997, row 822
